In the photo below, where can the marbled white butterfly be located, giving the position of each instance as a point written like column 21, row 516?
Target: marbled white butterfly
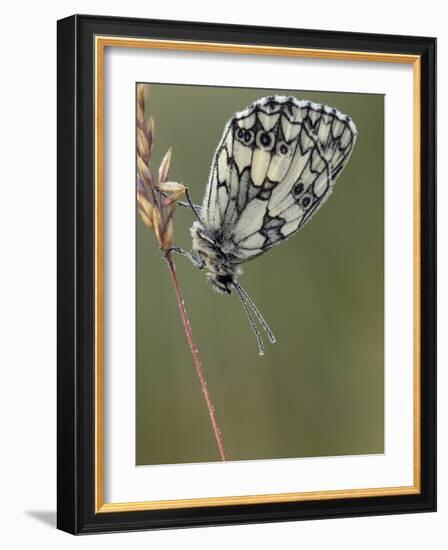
column 275, row 166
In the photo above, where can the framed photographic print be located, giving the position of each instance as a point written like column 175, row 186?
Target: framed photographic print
column 246, row 274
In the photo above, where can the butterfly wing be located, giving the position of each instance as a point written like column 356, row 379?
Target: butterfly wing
column 275, row 166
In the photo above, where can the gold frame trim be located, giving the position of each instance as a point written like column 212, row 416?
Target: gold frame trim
column 101, row 42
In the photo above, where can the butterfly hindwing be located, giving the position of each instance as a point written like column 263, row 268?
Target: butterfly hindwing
column 275, row 166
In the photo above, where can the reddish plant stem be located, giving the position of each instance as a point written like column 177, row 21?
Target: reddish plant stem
column 196, row 358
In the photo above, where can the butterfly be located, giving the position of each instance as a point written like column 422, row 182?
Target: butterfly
column 275, row 166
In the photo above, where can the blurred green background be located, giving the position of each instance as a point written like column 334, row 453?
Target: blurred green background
column 318, row 391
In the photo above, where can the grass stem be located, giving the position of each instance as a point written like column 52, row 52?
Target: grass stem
column 196, row 358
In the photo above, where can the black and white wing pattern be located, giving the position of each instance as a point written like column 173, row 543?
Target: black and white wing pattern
column 274, row 167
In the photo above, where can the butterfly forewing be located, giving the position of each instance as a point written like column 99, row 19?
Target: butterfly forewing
column 275, row 166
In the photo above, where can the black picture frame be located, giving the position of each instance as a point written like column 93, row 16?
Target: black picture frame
column 76, row 512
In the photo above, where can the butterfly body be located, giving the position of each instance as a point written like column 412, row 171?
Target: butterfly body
column 275, row 166
column 216, row 257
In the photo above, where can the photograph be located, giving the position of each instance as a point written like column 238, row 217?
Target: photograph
column 246, row 252
column 223, row 275
column 259, row 274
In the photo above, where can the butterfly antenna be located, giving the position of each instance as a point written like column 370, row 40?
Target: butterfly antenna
column 251, row 320
column 259, row 316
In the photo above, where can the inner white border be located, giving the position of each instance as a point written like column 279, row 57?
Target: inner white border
column 124, row 482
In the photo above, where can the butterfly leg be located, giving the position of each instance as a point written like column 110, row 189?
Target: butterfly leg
column 195, row 207
column 197, row 261
column 184, row 204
